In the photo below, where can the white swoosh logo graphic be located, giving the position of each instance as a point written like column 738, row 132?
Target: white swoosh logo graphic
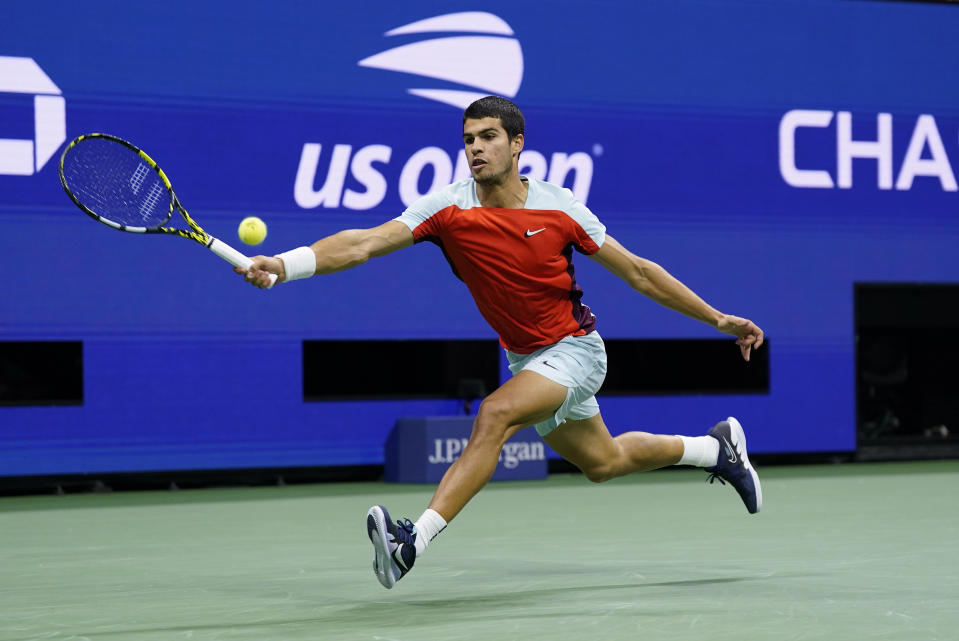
column 498, row 70
column 460, row 99
column 469, row 21
column 455, row 59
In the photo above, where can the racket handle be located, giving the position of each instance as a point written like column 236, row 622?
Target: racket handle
column 234, row 257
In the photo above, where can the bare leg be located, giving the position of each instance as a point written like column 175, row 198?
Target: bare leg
column 588, row 445
column 525, row 399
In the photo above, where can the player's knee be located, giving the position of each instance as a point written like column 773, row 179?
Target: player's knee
column 599, row 472
column 492, row 420
column 605, row 465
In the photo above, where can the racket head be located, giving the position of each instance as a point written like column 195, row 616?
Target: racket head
column 116, row 183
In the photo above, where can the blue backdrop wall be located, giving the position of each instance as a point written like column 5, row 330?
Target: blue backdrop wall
column 770, row 155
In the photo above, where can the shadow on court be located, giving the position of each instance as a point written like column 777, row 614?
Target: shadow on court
column 371, row 615
column 581, row 592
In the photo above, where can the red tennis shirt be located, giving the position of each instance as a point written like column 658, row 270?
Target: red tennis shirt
column 517, row 263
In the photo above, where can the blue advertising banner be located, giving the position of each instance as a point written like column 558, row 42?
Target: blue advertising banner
column 421, row 450
column 770, row 155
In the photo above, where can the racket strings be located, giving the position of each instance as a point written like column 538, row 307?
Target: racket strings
column 116, row 183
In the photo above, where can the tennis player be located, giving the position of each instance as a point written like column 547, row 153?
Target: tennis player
column 510, row 238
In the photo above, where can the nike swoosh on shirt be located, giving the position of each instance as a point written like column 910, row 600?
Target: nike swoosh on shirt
column 533, row 233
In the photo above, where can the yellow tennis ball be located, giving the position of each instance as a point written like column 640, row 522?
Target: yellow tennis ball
column 252, row 230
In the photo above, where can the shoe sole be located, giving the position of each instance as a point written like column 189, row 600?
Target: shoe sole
column 741, row 435
column 376, row 520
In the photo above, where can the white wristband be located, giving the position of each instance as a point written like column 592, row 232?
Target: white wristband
column 298, row 263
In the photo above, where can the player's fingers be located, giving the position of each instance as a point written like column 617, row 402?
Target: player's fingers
column 257, row 278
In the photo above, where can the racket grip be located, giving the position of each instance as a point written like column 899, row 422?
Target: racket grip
column 234, row 257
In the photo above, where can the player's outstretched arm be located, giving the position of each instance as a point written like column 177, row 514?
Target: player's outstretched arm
column 650, row 279
column 336, row 253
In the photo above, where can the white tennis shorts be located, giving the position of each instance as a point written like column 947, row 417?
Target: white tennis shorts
column 576, row 362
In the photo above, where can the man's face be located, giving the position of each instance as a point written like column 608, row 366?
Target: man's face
column 489, row 151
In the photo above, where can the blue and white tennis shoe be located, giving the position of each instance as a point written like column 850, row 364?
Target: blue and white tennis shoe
column 733, row 464
column 394, row 545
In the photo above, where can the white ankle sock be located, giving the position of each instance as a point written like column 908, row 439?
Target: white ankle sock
column 701, row 451
column 430, row 524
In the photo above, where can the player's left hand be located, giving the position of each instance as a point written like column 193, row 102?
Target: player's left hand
column 747, row 334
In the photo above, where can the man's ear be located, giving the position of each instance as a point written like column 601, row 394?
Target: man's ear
column 517, row 143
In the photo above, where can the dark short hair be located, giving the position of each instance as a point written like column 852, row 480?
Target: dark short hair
column 495, row 107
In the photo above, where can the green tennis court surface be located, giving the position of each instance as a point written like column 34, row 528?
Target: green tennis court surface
column 839, row 552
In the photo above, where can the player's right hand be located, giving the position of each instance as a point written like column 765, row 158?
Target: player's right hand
column 259, row 272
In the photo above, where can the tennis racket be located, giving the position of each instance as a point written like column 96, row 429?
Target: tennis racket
column 118, row 184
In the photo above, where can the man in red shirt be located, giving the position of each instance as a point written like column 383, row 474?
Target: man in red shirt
column 510, row 239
